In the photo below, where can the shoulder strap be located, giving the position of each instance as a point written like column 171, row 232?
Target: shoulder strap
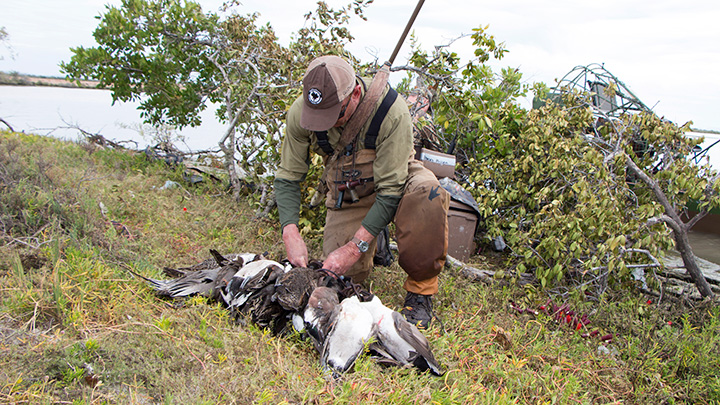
column 324, row 142
column 374, row 129
column 363, row 111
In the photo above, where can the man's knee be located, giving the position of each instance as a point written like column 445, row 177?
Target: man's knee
column 421, row 226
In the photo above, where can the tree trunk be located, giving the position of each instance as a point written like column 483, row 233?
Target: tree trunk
column 682, row 244
column 680, row 230
column 227, row 146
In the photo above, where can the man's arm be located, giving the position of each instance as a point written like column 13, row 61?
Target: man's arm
column 393, row 150
column 292, row 170
column 342, row 258
column 288, row 197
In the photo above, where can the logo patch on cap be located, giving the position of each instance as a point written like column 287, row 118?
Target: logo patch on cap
column 314, row 96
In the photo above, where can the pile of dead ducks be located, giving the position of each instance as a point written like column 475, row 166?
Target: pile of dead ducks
column 341, row 318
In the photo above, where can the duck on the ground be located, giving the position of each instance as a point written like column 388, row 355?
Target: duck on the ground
column 342, row 318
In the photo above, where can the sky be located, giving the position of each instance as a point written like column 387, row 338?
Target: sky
column 666, row 52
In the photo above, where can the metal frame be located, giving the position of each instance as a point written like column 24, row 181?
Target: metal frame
column 594, row 79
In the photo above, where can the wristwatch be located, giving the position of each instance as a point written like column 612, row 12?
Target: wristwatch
column 361, row 244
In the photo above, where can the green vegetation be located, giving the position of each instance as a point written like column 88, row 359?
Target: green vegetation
column 75, row 326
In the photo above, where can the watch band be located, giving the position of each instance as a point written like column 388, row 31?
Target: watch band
column 361, row 244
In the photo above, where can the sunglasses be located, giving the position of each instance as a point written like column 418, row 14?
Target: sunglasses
column 342, row 110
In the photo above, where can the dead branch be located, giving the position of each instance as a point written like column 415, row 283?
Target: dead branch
column 474, row 274
column 31, row 242
column 96, row 139
column 267, row 200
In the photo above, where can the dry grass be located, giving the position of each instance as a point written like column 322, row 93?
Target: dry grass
column 76, row 327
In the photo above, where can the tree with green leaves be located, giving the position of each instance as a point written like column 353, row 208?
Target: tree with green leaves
column 177, row 60
column 577, row 195
column 574, row 196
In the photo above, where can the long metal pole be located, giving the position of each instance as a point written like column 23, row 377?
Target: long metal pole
column 407, row 29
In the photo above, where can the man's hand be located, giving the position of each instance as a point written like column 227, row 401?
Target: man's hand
column 343, row 258
column 295, row 246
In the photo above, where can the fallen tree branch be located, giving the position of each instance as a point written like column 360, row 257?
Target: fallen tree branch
column 32, row 242
column 267, row 202
column 474, row 274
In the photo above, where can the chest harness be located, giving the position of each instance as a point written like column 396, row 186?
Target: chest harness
column 349, row 179
column 373, row 130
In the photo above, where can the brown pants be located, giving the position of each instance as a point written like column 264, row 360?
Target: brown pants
column 421, row 231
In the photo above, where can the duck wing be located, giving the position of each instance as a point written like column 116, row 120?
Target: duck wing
column 195, row 282
column 423, row 358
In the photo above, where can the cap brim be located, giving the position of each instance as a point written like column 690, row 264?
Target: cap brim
column 314, row 119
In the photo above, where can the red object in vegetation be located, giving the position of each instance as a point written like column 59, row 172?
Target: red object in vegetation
column 184, row 209
column 649, row 302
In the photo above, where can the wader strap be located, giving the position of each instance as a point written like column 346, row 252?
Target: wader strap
column 361, row 115
column 374, row 129
column 324, row 143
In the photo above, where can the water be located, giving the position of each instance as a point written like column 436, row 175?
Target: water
column 706, row 246
column 51, row 110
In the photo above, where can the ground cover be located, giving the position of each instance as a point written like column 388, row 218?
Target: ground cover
column 76, row 327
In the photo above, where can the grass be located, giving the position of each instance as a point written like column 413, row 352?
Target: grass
column 76, row 327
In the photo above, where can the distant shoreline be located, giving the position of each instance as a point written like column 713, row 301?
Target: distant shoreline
column 17, row 79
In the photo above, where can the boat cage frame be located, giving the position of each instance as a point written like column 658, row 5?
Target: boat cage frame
column 597, row 81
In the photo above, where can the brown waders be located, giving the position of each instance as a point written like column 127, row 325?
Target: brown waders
column 420, row 224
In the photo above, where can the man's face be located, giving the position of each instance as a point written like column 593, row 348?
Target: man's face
column 349, row 105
